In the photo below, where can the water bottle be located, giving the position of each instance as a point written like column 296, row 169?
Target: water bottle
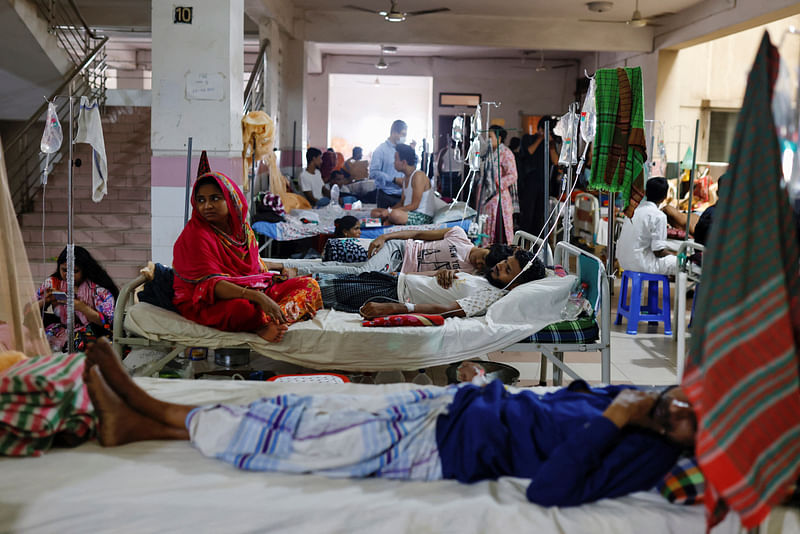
column 389, row 377
column 335, row 194
column 422, row 379
column 575, row 303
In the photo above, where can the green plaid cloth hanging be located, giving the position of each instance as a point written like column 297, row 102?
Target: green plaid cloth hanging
column 619, row 149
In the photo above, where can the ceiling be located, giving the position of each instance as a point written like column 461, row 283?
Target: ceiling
column 536, row 9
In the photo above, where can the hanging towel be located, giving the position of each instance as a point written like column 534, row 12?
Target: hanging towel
column 620, row 149
column 742, row 369
column 90, row 130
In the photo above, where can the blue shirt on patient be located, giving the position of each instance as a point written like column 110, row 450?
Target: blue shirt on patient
column 559, row 440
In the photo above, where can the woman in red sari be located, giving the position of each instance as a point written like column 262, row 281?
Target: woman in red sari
column 220, row 280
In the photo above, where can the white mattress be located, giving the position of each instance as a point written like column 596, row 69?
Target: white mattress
column 170, row 487
column 336, row 340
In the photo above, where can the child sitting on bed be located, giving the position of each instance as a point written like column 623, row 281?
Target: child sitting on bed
column 220, row 280
column 577, row 445
column 95, row 295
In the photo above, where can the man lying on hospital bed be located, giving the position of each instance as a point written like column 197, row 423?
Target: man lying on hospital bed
column 454, row 294
column 577, row 445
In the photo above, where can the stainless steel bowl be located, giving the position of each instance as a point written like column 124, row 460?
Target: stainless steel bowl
column 232, row 357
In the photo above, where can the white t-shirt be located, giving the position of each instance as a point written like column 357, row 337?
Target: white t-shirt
column 641, row 235
column 473, row 293
column 312, row 182
column 451, row 252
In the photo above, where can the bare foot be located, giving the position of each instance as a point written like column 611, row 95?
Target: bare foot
column 119, row 424
column 102, row 356
column 273, row 332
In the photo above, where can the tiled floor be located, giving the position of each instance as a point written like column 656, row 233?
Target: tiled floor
column 647, row 358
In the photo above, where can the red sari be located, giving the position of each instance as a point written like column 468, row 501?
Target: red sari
column 204, row 255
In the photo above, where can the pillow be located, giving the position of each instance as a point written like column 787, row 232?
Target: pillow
column 406, row 319
column 455, row 214
column 344, row 250
column 532, row 302
column 684, row 484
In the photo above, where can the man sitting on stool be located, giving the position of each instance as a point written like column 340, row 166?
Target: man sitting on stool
column 642, row 244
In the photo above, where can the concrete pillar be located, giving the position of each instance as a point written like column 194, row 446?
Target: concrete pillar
column 197, row 92
column 285, row 94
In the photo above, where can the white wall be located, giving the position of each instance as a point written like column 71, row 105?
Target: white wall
column 520, row 91
column 393, row 97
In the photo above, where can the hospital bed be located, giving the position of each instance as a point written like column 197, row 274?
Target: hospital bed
column 335, row 340
column 582, row 335
column 292, row 229
column 167, row 486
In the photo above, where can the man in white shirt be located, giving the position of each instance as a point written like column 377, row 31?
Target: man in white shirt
column 311, row 178
column 642, row 244
column 462, row 295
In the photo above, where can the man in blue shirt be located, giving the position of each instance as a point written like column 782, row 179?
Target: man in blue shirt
column 388, row 180
column 577, row 444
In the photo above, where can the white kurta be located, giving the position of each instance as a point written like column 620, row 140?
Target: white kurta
column 641, row 236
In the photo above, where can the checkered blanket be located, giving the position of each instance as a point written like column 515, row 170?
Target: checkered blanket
column 582, row 330
column 620, row 148
column 391, row 436
column 742, row 370
column 42, row 398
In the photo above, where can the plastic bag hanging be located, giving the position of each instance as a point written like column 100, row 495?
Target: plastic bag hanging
column 565, row 128
column 52, row 136
column 589, row 115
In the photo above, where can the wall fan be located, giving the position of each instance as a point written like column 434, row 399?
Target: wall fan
column 395, row 15
column 636, row 20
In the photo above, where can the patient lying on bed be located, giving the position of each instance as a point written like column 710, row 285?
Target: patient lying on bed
column 415, row 251
column 449, row 293
column 577, row 445
column 220, row 280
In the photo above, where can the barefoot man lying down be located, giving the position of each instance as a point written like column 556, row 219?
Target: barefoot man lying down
column 578, row 444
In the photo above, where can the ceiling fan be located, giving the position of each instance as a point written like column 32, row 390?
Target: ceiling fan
column 381, row 64
column 395, row 15
column 541, row 67
column 636, row 20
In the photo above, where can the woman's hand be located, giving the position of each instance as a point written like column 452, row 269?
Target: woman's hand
column 48, row 299
column 376, row 245
column 271, row 308
column 445, row 277
column 371, row 310
column 82, row 307
column 631, row 406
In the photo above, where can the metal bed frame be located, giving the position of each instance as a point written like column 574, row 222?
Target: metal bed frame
column 554, row 352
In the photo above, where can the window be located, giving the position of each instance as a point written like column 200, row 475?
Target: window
column 459, row 99
column 720, row 136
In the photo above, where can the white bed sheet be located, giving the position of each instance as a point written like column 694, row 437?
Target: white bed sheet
column 164, row 486
column 336, row 340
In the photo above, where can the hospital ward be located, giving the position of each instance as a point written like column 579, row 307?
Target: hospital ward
column 397, row 266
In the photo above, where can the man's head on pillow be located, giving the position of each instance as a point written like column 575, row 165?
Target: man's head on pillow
column 502, row 274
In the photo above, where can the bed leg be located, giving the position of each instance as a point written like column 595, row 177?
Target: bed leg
column 543, row 371
column 557, row 373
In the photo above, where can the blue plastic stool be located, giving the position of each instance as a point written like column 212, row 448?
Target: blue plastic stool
column 634, row 311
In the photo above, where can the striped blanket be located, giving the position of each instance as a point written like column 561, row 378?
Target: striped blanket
column 742, row 370
column 392, row 436
column 43, row 400
column 620, row 148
